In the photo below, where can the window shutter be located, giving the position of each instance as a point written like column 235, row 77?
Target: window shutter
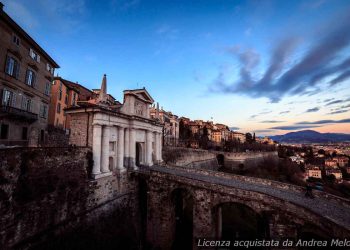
column 16, row 69
column 14, row 99
column 27, row 75
column 33, row 80
column 31, row 53
column 38, row 58
column 7, row 67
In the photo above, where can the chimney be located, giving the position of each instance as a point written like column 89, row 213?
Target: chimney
column 1, row 6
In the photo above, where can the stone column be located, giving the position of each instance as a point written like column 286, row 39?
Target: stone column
column 96, row 149
column 156, row 147
column 160, row 145
column 132, row 148
column 105, row 150
column 148, row 148
column 120, row 149
column 126, row 148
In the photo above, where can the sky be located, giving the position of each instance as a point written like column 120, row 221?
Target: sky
column 268, row 67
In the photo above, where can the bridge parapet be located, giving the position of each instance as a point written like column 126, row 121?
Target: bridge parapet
column 267, row 182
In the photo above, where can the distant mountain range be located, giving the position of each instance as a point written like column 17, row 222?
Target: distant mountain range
column 310, row 136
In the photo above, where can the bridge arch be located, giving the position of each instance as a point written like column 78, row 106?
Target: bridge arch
column 182, row 204
column 220, row 159
column 234, row 220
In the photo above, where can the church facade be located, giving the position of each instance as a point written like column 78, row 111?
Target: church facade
column 121, row 135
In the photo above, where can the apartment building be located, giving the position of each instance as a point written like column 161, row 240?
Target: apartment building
column 64, row 95
column 26, row 73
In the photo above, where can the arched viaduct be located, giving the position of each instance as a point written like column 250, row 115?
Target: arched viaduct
column 202, row 202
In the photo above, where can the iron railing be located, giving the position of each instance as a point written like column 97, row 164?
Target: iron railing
column 17, row 113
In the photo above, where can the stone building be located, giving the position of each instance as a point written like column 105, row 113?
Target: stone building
column 170, row 123
column 121, row 136
column 26, row 73
column 63, row 95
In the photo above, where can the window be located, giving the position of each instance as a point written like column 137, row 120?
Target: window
column 74, row 99
column 66, row 100
column 4, row 133
column 8, row 98
column 43, row 111
column 58, row 108
column 47, row 88
column 12, row 67
column 16, row 40
column 34, row 55
column 26, row 104
column 60, row 92
column 30, row 78
column 24, row 133
column 50, row 68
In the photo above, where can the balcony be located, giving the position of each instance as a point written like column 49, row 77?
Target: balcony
column 18, row 114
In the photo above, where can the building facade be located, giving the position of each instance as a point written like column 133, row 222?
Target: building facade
column 63, row 95
column 120, row 137
column 26, row 73
column 170, row 124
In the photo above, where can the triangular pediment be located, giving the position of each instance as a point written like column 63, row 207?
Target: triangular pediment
column 141, row 94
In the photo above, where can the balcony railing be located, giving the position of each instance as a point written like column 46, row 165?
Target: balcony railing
column 17, row 113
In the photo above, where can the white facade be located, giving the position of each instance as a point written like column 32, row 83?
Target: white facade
column 123, row 137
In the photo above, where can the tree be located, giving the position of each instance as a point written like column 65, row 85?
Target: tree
column 248, row 137
column 254, row 138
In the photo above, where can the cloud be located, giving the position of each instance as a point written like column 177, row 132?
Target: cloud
column 295, row 127
column 312, row 110
column 261, row 113
column 338, row 111
column 271, row 121
column 234, row 128
column 284, row 112
column 283, row 76
column 21, row 14
column 337, row 101
column 325, row 121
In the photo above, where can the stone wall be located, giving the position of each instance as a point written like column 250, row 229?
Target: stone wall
column 81, row 129
column 46, row 193
column 205, row 159
column 56, row 137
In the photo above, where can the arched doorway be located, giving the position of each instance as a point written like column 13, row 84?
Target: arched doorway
column 183, row 212
column 236, row 221
column 138, row 154
column 221, row 160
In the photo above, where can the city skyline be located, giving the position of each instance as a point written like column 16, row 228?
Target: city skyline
column 229, row 60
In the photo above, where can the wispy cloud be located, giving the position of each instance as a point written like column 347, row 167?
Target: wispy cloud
column 21, row 14
column 284, row 112
column 325, row 121
column 295, row 127
column 338, row 111
column 299, row 78
column 315, row 109
column 271, row 121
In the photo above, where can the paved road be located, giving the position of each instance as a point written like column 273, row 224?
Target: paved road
column 332, row 210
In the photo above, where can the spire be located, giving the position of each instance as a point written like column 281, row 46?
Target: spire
column 102, row 97
column 157, row 111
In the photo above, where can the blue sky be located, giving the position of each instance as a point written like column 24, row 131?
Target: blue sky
column 266, row 66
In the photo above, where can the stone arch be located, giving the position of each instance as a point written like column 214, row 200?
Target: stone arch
column 111, row 163
column 310, row 231
column 182, row 217
column 139, row 156
column 236, row 220
column 220, row 159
